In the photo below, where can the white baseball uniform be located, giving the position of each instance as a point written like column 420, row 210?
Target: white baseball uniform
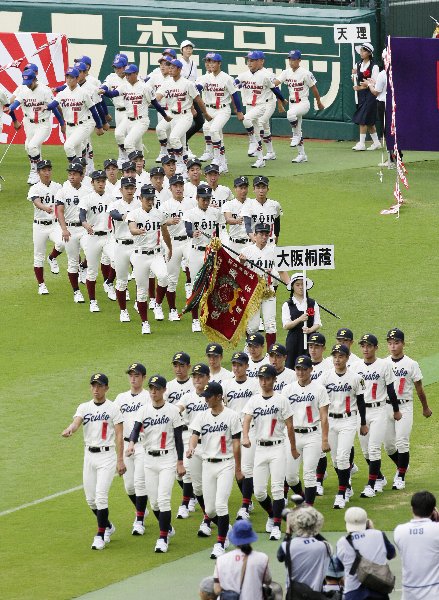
column 137, row 97
column 37, row 117
column 266, row 212
column 75, row 105
column 298, row 83
column 238, row 237
column 205, row 221
column 175, row 390
column 270, row 107
column 123, row 241
column 179, row 96
column 193, row 404
column 113, row 81
column 70, row 198
column 222, row 376
column 45, row 224
column 98, row 245
column 254, row 366
column 253, row 91
column 220, row 195
column 284, row 378
column 318, row 369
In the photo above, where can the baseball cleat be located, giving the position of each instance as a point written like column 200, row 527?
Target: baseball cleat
column 217, row 550
column 161, row 546
column 269, row 525
column 33, row 178
column 42, row 289
column 259, row 164
column 242, row 515
column 204, row 530
column 295, row 141
column 196, row 326
column 111, row 292
column 98, row 543
column 94, row 306
column 190, row 154
column 163, row 152
column 276, row 533
column 78, row 298
column 146, row 328
column 151, row 305
column 374, row 146
column 398, row 483
column 206, row 156
column 380, row 484
column 158, row 312
column 300, row 158
column 138, row 528
column 223, row 168
column 252, row 147
column 54, row 266
column 270, row 156
column 183, row 512
column 359, row 147
column 320, row 490
column 109, row 532
column 368, row 492
column 124, row 316
column 188, row 290
column 354, row 469
column 339, row 502
column 192, row 504
column 173, row 315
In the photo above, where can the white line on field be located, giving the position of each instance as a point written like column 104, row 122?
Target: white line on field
column 40, row 500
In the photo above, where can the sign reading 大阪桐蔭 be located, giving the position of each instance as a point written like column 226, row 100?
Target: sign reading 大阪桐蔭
column 308, row 258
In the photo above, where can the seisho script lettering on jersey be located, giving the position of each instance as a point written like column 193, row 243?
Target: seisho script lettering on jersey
column 130, row 408
column 150, row 421
column 262, row 412
column 370, row 376
column 400, row 372
column 333, row 387
column 301, row 398
column 237, row 395
column 193, row 407
column 176, row 396
column 90, row 418
column 278, row 387
column 218, row 427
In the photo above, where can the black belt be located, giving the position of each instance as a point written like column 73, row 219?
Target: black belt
column 203, row 248
column 183, row 112
column 157, row 452
column 216, row 460
column 180, row 238
column 134, row 118
column 273, row 443
column 374, row 404
column 147, row 252
column 98, row 449
column 253, row 105
column 45, row 222
column 294, row 101
column 80, row 123
column 305, row 429
column 399, row 401
column 342, row 415
column 121, row 109
column 184, row 427
column 99, row 233
column 125, row 242
column 74, row 224
column 241, row 241
column 39, row 120
column 215, row 106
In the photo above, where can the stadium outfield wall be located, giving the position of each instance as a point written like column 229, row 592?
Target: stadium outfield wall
column 143, row 29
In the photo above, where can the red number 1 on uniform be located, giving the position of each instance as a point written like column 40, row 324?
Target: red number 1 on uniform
column 104, row 430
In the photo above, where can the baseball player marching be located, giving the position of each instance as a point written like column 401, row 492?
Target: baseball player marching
column 102, row 425
column 112, row 82
column 214, row 354
column 163, row 444
column 258, row 356
column 219, row 431
column 262, row 209
column 232, row 209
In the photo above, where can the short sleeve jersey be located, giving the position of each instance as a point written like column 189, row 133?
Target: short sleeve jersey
column 253, row 86
column 155, row 80
column 298, row 82
column 343, row 390
column 192, row 404
column 178, row 95
column 75, row 104
column 205, row 221
column 158, row 426
column 262, row 213
column 320, row 368
column 176, row 390
column 150, row 221
column 283, row 379
column 222, row 376
column 174, row 208
column 97, row 209
column 98, row 421
column 34, row 102
column 377, row 376
column 236, row 394
column 70, row 197
column 216, row 432
column 254, row 366
column 235, row 208
column 263, row 261
column 217, row 89
column 129, row 404
column 407, row 373
column 137, row 98
column 121, row 229
column 269, row 416
column 305, row 402
column 46, row 194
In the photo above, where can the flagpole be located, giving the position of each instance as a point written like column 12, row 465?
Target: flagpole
column 305, row 295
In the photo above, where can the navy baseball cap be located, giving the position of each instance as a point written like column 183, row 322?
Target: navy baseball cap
column 214, row 56
column 182, row 358
column 240, row 357
column 176, row 63
column 204, row 191
column 240, row 181
column 28, row 77
column 200, row 369
column 43, row 164
column 255, row 55
column 260, row 179
column 193, row 162
column 255, row 339
column 120, row 61
column 178, row 178
column 216, row 349
column 157, row 381
column 395, row 334
column 81, row 66
column 262, row 228
column 211, row 169
column 128, row 166
column 81, row 160
column 127, row 181
column 131, row 69
column 135, row 154
column 147, row 191
column 110, row 162
column 303, row 362
column 136, row 368
column 170, row 51
column 167, row 159
column 99, row 378
column 267, row 371
column 317, row 338
column 212, row 389
column 277, row 349
column 98, row 175
column 294, row 54
column 84, row 59
column 76, row 167
column 157, row 171
column 72, row 71
column 344, row 334
column 33, row 67
column 368, row 338
column 340, row 349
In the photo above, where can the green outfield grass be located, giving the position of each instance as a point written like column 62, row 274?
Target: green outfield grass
column 387, row 275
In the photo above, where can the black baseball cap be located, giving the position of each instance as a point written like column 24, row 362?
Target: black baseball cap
column 255, row 339
column 127, row 181
column 200, row 369
column 214, row 349
column 75, row 167
column 303, row 362
column 344, row 334
column 135, row 154
column 212, row 389
column 368, row 338
column 136, row 368
column 193, row 162
column 262, row 228
column 182, row 358
column 267, row 371
column 204, row 191
column 43, row 164
column 98, row 175
column 277, row 349
column 167, row 159
column 128, row 166
column 240, row 181
column 240, row 357
column 395, row 334
column 157, row 381
column 177, row 178
column 157, row 171
column 147, row 191
column 81, row 160
column 211, row 169
column 317, row 338
column 260, row 179
column 340, row 349
column 110, row 162
column 99, row 378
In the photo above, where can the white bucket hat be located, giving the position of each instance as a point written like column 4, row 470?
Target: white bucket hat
column 366, row 45
column 296, row 276
column 186, row 43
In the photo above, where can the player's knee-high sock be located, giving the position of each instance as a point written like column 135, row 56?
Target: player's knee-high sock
column 208, row 142
column 188, row 492
column 160, row 294
column 91, row 289
column 267, row 139
column 278, row 506
column 105, row 271
column 132, row 497
column 122, row 299
column 239, row 483
column 156, row 514
column 403, row 463
column 70, row 159
column 180, row 483
column 301, row 147
column 310, row 495
column 151, row 287
column 54, row 253
column 216, row 151
column 394, row 457
column 343, row 481
column 374, row 471
column 247, row 491
column 351, row 457
column 94, row 511
column 267, row 506
column 286, row 489
column 140, row 507
column 103, row 522
column 321, row 469
column 194, row 312
column 188, row 275
column 143, row 311
column 163, row 143
column 74, row 280
column 39, row 274
column 164, row 524
column 111, row 275
column 297, row 489
column 170, row 297
column 223, row 528
column 203, row 508
column 270, row 339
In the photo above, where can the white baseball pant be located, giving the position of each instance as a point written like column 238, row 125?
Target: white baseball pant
column 98, row 473
column 77, row 136
column 264, row 121
column 309, row 445
column 180, row 250
column 296, row 112
column 372, row 442
column 248, row 456
column 163, row 129
column 119, row 116
column 36, row 135
column 142, row 265
column 268, row 310
column 217, row 486
column 41, row 234
column 94, row 247
column 73, row 246
column 160, row 472
column 134, row 131
column 253, row 115
column 214, row 128
column 196, row 472
column 134, row 477
column 196, row 261
column 269, row 462
column 180, row 125
column 186, row 461
column 341, row 439
column 397, row 436
column 122, row 263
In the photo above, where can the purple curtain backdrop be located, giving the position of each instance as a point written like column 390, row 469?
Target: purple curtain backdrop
column 415, row 64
